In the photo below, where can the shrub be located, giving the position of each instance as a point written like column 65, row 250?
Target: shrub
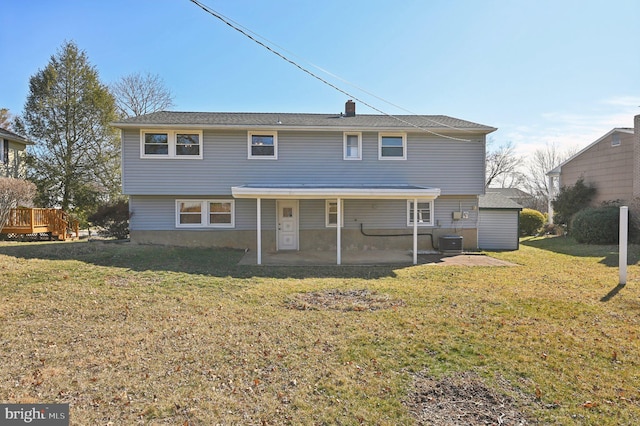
column 553, row 229
column 570, row 200
column 112, row 219
column 596, row 225
column 634, row 219
column 530, row 221
column 14, row 193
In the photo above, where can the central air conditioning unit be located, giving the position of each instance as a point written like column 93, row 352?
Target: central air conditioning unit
column 450, row 244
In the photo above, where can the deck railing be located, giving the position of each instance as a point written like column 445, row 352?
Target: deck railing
column 34, row 221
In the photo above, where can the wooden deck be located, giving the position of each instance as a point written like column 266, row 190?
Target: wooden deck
column 54, row 222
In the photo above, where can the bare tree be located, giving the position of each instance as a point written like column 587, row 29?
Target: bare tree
column 138, row 94
column 5, row 118
column 14, row 193
column 502, row 163
column 538, row 165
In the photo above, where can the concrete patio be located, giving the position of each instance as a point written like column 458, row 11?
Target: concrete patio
column 370, row 258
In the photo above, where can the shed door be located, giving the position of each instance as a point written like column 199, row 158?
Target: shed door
column 498, row 230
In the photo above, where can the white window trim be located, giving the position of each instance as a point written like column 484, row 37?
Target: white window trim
column 172, row 142
column 404, row 145
column 326, row 214
column 410, row 209
column 272, row 133
column 204, row 214
column 344, row 146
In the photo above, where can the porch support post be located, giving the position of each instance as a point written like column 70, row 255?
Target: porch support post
column 550, row 198
column 259, row 228
column 415, row 231
column 339, row 233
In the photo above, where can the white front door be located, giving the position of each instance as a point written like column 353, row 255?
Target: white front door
column 287, row 237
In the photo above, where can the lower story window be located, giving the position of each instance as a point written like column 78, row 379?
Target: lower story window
column 189, row 213
column 220, row 213
column 425, row 213
column 331, row 214
column 205, row 213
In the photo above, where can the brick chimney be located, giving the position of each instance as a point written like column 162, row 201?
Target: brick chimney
column 350, row 109
column 636, row 156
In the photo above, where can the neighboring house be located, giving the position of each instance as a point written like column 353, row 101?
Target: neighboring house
column 611, row 164
column 12, row 152
column 499, row 221
column 524, row 199
column 268, row 181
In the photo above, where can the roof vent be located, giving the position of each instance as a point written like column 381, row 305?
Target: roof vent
column 350, row 108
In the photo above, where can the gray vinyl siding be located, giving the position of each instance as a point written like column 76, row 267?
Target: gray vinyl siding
column 498, row 229
column 456, row 167
column 151, row 213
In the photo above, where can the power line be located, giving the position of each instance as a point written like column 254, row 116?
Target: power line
column 254, row 38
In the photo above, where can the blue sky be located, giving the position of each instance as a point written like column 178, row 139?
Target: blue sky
column 563, row 72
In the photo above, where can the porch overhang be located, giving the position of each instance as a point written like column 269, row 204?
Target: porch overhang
column 319, row 191
column 338, row 193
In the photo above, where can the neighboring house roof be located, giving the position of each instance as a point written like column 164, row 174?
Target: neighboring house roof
column 494, row 200
column 293, row 121
column 510, row 192
column 7, row 134
column 556, row 171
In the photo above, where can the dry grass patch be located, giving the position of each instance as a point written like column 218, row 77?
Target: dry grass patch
column 343, row 300
column 463, row 399
column 154, row 335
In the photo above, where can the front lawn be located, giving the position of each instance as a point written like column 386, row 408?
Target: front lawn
column 132, row 334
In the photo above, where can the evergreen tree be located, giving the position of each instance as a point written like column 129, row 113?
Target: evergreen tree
column 76, row 160
column 571, row 200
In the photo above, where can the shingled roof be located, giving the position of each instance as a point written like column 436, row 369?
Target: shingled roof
column 293, row 120
column 494, row 200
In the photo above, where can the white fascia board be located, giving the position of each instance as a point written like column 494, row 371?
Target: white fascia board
column 329, row 193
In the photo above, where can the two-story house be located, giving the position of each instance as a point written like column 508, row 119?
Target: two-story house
column 274, row 182
column 12, row 152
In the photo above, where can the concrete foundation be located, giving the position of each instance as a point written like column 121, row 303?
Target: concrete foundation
column 309, row 239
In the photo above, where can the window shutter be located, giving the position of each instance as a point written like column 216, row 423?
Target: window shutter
column 5, row 151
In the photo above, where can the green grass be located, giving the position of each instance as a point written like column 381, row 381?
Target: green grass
column 153, row 335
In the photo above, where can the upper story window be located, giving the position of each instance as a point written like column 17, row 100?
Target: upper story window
column 352, row 146
column 425, row 213
column 615, row 139
column 392, row 146
column 263, row 145
column 171, row 144
column 205, row 213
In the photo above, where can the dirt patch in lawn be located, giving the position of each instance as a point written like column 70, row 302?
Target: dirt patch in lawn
column 461, row 399
column 343, row 300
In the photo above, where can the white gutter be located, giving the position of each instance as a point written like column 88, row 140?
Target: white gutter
column 285, row 192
